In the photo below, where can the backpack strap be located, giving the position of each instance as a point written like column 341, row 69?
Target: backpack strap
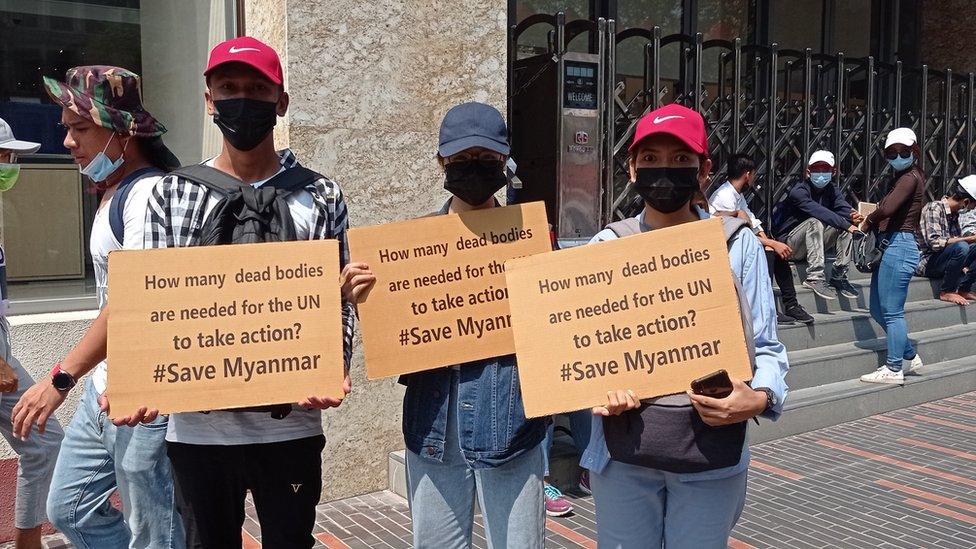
column 211, row 178
column 290, row 180
column 115, row 214
column 625, row 227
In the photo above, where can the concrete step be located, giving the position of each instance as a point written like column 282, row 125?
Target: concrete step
column 919, row 289
column 844, row 361
column 857, row 325
column 826, row 405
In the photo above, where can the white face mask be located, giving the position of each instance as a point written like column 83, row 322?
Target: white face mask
column 100, row 168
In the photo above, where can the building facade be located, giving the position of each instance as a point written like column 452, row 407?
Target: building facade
column 369, row 84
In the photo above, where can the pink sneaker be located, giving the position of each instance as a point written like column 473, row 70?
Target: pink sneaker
column 556, row 504
column 584, row 482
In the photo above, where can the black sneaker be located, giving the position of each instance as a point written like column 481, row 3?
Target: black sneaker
column 784, row 319
column 821, row 288
column 800, row 315
column 844, row 288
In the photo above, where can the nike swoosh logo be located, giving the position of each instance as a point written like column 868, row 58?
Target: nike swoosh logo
column 234, row 49
column 659, row 119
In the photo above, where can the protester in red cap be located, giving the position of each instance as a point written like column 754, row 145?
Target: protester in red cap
column 661, row 488
column 275, row 453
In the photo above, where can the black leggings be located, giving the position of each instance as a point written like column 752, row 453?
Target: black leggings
column 779, row 270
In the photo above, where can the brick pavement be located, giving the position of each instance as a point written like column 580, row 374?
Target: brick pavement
column 901, row 479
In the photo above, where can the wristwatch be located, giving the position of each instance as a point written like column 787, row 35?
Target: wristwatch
column 62, row 381
column 771, row 399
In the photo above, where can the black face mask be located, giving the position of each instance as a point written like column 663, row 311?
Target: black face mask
column 667, row 189
column 245, row 122
column 474, row 181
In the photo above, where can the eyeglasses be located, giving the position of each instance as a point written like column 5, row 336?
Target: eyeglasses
column 486, row 159
column 893, row 155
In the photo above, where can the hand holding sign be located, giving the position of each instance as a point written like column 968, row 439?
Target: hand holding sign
column 208, row 328
column 431, row 291
column 648, row 313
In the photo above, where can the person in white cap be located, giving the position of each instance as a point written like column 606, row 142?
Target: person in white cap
column 897, row 220
column 37, row 454
column 815, row 217
column 946, row 253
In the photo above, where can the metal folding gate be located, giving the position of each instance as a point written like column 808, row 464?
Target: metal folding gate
column 778, row 105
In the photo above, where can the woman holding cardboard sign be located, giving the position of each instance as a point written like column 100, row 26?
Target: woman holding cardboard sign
column 682, row 483
column 465, row 428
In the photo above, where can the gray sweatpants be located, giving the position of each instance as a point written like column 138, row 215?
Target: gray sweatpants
column 37, row 454
column 812, row 238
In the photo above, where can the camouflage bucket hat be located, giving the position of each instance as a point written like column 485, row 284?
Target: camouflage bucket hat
column 110, row 97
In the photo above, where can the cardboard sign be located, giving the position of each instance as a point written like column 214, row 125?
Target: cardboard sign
column 214, row 327
column 866, row 208
column 440, row 297
column 649, row 312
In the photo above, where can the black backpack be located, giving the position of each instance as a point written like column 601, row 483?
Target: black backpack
column 248, row 215
column 115, row 215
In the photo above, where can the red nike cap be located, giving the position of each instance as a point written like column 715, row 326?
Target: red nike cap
column 251, row 52
column 677, row 120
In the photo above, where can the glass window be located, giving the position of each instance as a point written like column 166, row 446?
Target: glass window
column 46, row 217
column 724, row 19
column 535, row 40
column 797, row 24
column 852, row 28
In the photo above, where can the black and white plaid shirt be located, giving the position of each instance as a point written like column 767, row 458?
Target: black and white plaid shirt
column 936, row 226
column 178, row 208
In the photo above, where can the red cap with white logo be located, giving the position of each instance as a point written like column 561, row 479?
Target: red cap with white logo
column 677, row 120
column 251, row 52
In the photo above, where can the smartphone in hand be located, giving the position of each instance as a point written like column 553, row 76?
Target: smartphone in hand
column 715, row 385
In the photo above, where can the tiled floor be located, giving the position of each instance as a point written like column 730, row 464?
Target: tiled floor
column 902, row 479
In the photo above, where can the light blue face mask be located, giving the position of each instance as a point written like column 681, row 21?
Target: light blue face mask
column 100, row 168
column 820, row 179
column 900, row 164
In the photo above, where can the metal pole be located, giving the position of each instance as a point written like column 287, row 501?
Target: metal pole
column 868, row 129
column 611, row 118
column 945, row 130
column 657, row 67
column 807, row 99
column 736, row 93
column 923, row 122
column 698, row 72
column 560, row 85
column 771, row 137
column 969, row 124
column 839, row 116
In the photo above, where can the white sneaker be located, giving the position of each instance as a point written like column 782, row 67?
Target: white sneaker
column 912, row 366
column 884, row 375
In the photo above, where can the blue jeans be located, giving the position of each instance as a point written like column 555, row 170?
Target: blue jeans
column 97, row 458
column 37, row 454
column 639, row 507
column 889, row 290
column 442, row 493
column 948, row 265
column 579, row 427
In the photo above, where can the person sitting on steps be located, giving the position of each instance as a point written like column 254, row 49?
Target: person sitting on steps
column 946, row 254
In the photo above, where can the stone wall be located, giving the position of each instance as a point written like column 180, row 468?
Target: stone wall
column 369, row 84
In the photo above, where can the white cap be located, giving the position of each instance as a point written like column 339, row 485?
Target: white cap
column 8, row 142
column 821, row 156
column 904, row 136
column 968, row 184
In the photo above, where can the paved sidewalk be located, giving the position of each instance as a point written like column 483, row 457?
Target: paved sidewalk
column 901, row 479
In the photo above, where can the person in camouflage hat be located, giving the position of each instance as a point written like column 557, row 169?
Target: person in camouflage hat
column 110, row 97
column 117, row 144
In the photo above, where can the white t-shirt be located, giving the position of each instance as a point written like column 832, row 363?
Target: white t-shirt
column 231, row 428
column 727, row 199
column 103, row 242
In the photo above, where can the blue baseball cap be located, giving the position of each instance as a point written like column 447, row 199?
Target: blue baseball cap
column 473, row 125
